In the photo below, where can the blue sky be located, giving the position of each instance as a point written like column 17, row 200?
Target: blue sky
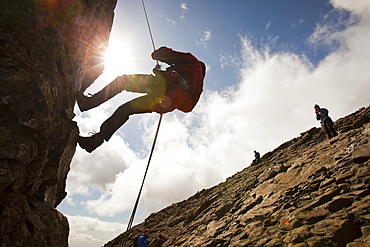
column 268, row 62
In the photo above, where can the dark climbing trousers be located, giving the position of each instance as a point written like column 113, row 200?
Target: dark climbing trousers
column 154, row 86
column 328, row 126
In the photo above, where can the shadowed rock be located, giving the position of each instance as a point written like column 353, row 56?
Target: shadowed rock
column 47, row 48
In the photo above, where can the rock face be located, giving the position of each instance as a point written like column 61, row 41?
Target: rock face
column 309, row 191
column 46, row 49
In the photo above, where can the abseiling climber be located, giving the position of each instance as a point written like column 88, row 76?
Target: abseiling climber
column 178, row 87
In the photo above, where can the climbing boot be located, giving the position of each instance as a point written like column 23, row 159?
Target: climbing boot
column 86, row 103
column 90, row 143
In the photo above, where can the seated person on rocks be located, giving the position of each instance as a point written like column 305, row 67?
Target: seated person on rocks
column 178, row 87
column 257, row 158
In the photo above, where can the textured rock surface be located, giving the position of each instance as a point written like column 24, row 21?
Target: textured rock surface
column 46, row 48
column 307, row 192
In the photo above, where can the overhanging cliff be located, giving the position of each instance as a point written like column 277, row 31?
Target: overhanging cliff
column 310, row 191
column 46, row 49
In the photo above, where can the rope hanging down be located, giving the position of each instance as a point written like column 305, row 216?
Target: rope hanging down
column 129, row 225
column 142, row 185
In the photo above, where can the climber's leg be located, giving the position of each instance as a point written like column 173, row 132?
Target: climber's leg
column 132, row 83
column 138, row 105
column 121, row 115
column 329, row 128
column 148, row 103
column 85, row 103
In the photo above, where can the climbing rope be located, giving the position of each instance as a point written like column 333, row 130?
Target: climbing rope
column 147, row 22
column 129, row 225
column 150, row 30
column 142, row 185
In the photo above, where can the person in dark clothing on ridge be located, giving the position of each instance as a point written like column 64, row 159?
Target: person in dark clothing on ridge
column 178, row 87
column 143, row 240
column 257, row 158
column 322, row 115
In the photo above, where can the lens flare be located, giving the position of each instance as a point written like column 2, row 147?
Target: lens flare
column 118, row 59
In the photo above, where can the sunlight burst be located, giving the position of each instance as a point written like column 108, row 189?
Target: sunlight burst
column 118, row 59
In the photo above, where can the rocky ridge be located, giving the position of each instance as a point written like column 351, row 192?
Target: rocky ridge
column 310, row 191
column 46, row 49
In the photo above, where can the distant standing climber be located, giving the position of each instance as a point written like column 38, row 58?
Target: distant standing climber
column 322, row 115
column 257, row 158
column 178, row 87
column 143, row 240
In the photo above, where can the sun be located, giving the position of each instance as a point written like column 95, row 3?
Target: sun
column 118, row 58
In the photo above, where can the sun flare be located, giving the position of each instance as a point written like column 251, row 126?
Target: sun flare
column 118, row 59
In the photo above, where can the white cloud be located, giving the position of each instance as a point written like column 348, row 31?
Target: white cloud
column 97, row 169
column 184, row 7
column 355, row 6
column 88, row 231
column 170, row 22
column 267, row 27
column 206, row 36
column 229, row 60
column 294, row 25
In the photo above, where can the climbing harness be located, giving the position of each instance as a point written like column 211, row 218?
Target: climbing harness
column 183, row 83
column 129, row 225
